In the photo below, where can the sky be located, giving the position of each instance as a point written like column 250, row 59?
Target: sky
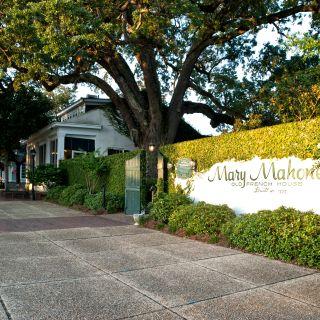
column 199, row 121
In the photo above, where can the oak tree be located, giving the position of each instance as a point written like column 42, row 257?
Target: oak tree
column 23, row 111
column 147, row 56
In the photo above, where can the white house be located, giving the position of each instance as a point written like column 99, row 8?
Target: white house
column 83, row 127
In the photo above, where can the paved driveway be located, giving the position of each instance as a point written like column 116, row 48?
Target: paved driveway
column 64, row 265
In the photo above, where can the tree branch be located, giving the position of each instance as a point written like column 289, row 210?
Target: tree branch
column 190, row 107
column 54, row 81
column 208, row 39
column 119, row 70
column 215, row 101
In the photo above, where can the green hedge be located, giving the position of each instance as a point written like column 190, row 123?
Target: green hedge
column 200, row 218
column 69, row 195
column 165, row 204
column 298, row 139
column 93, row 201
column 285, row 234
column 115, row 177
column 55, row 193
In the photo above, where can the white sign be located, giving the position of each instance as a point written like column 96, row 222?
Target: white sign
column 250, row 186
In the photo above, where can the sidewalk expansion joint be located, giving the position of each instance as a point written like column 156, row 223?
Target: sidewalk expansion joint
column 5, row 309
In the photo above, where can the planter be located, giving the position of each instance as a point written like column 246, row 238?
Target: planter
column 137, row 218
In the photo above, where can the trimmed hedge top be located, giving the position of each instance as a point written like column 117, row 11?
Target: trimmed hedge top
column 298, row 139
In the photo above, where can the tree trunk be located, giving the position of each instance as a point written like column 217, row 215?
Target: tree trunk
column 151, row 143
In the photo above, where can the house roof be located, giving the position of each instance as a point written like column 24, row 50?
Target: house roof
column 91, row 100
column 56, row 125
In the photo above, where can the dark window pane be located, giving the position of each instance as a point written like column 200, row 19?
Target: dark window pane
column 114, row 151
column 78, row 144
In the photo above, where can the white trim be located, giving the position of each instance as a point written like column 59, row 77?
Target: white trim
column 73, row 152
column 57, row 125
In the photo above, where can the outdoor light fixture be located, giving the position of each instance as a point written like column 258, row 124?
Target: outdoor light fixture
column 152, row 147
column 169, row 166
column 33, row 154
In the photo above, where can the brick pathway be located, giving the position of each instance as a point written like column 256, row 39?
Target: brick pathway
column 20, row 216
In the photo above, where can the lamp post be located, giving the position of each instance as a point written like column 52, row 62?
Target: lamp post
column 33, row 154
column 151, row 147
column 151, row 171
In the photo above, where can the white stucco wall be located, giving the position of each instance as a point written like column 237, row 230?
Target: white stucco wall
column 91, row 125
column 105, row 138
column 258, row 184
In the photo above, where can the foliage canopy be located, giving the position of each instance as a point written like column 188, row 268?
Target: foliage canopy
column 156, row 52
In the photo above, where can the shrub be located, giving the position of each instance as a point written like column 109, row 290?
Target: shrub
column 78, row 197
column 180, row 217
column 285, row 233
column 114, row 177
column 200, row 218
column 68, row 193
column 48, row 176
column 114, row 202
column 54, row 193
column 93, row 201
column 164, row 205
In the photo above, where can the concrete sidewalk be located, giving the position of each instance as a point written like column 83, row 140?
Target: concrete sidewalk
column 119, row 271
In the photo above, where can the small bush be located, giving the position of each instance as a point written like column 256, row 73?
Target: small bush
column 200, row 218
column 285, row 234
column 93, row 201
column 48, row 176
column 78, row 197
column 164, row 205
column 114, row 202
column 54, row 193
column 180, row 217
column 68, row 193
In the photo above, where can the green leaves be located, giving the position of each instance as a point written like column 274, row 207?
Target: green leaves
column 28, row 106
column 188, row 42
column 47, row 175
column 200, row 218
column 298, row 139
column 165, row 204
column 285, row 234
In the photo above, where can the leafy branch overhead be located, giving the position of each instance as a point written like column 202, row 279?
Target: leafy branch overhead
column 156, row 53
column 16, row 120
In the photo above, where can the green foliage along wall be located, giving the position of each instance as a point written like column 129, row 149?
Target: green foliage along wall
column 115, row 178
column 298, row 139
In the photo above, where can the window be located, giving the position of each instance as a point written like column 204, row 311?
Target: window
column 54, row 152
column 78, row 144
column 77, row 153
column 42, row 154
column 115, row 151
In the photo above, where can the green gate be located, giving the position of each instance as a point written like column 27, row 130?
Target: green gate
column 134, row 185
